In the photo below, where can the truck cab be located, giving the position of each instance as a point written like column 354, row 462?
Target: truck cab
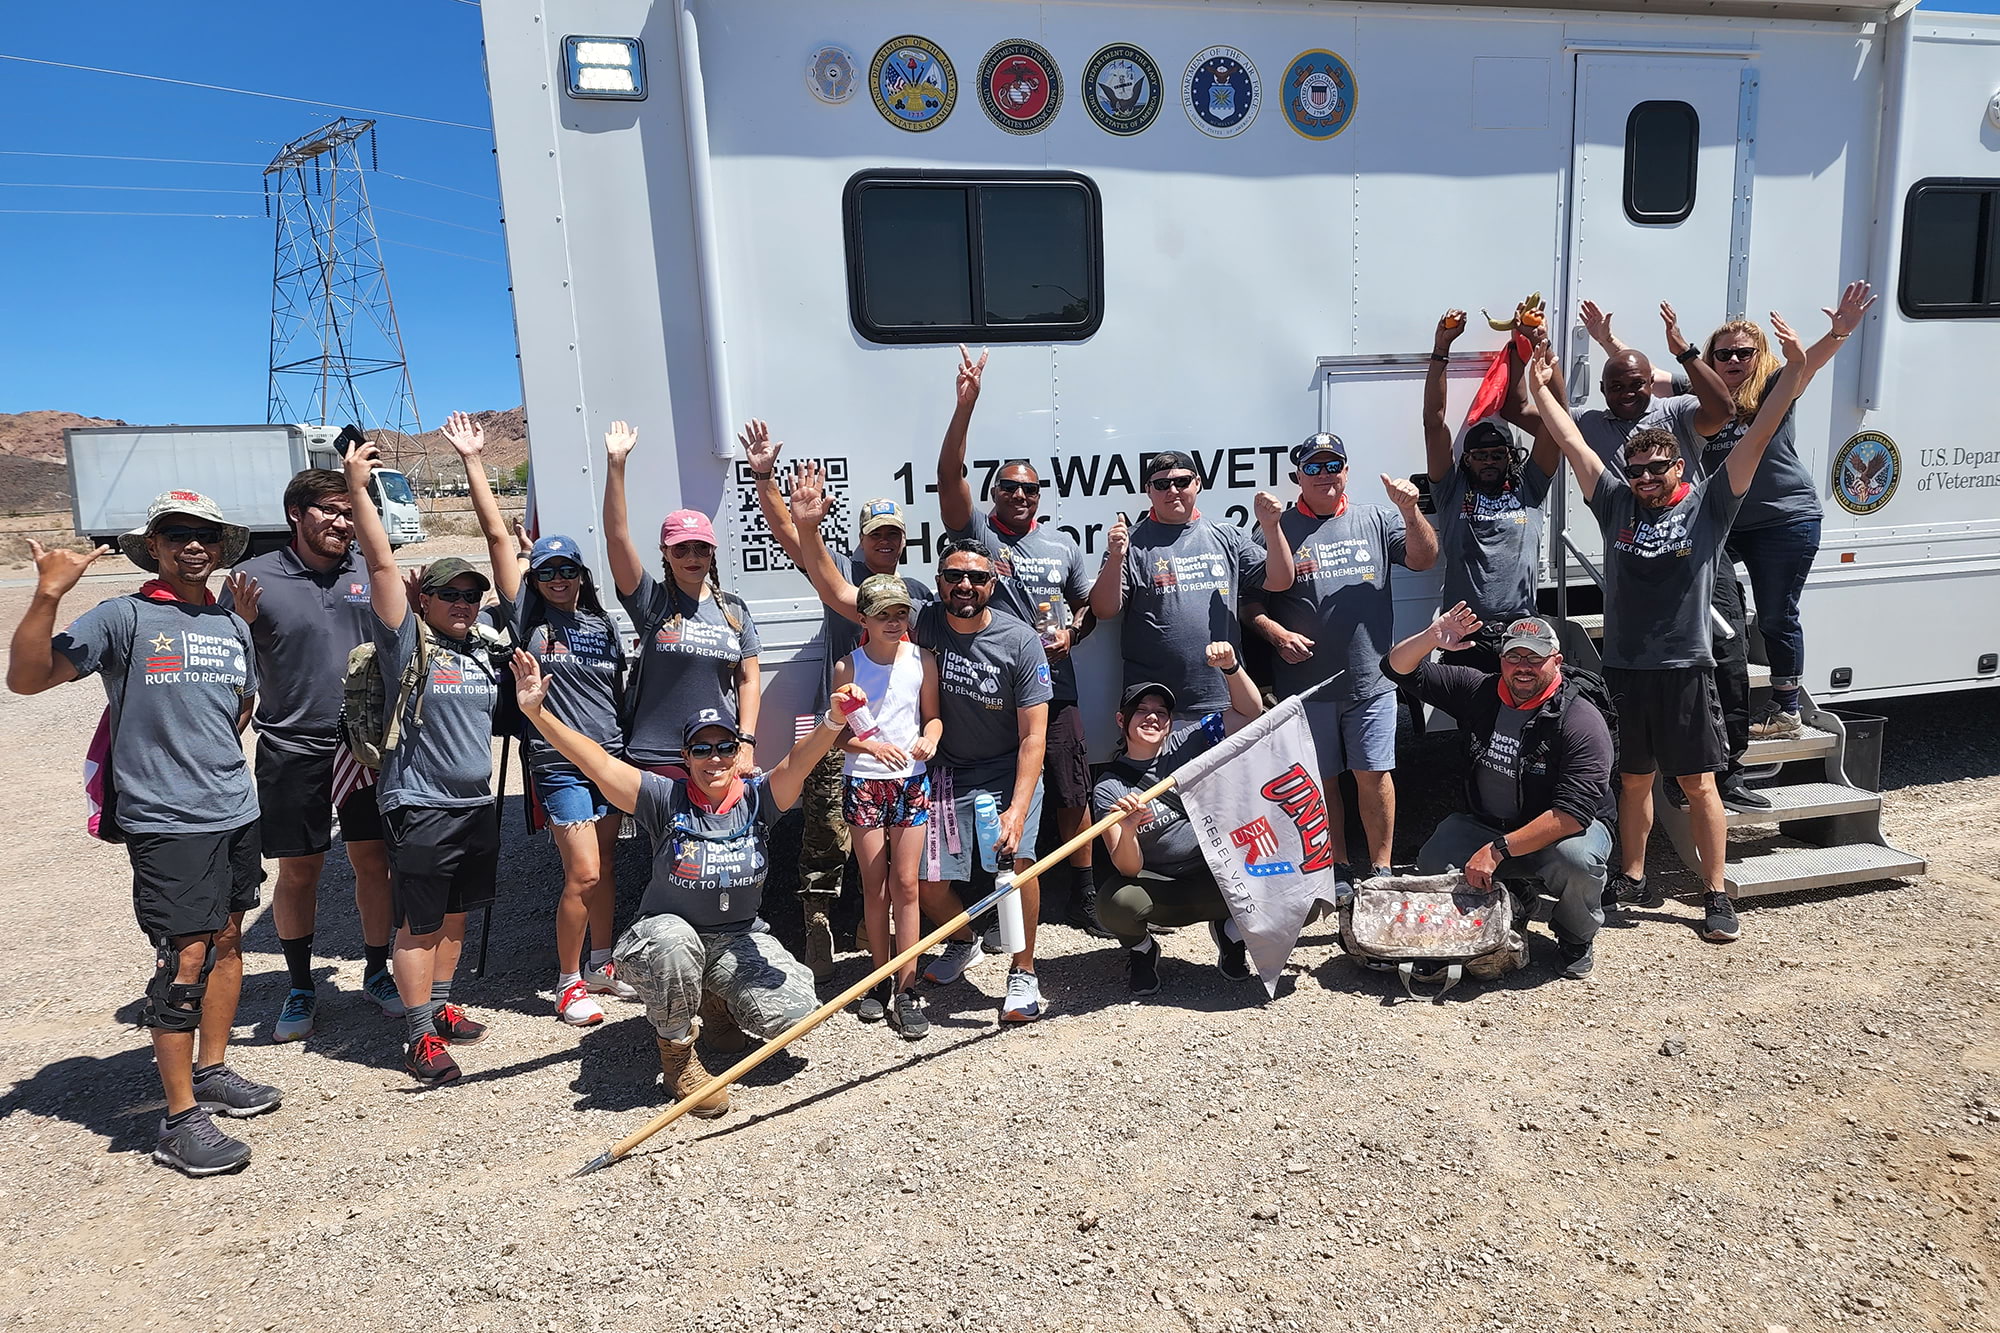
column 388, row 488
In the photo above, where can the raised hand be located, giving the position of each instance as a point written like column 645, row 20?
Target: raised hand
column 1542, row 368
column 359, row 464
column 969, row 373
column 522, row 539
column 1452, row 628
column 1118, row 539
column 1675, row 342
column 530, row 688
column 809, row 501
column 1450, row 324
column 58, row 569
column 759, row 447
column 244, row 593
column 1788, row 338
column 1596, row 322
column 413, row 584
column 1269, row 509
column 618, row 442
column 465, row 435
column 1854, row 303
column 1221, row 655
column 1402, row 492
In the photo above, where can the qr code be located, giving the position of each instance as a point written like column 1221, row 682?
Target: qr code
column 761, row 553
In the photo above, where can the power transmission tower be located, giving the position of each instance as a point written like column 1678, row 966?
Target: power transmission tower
column 336, row 351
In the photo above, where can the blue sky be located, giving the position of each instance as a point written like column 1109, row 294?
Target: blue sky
column 161, row 319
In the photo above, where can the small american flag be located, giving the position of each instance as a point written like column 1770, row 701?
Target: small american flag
column 349, row 776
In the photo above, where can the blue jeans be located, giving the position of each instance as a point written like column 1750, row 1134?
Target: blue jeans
column 1779, row 558
column 568, row 797
column 1573, row 870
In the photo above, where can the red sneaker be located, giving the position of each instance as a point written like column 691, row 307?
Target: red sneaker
column 429, row 1062
column 456, row 1028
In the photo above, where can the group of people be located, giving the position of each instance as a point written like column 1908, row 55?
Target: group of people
column 950, row 712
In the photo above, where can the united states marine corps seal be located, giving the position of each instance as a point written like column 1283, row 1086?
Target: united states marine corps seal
column 1020, row 87
column 1121, row 89
column 913, row 84
column 830, row 74
column 1865, row 472
column 1318, row 94
column 1220, row 92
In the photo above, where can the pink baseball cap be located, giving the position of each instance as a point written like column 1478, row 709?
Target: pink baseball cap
column 687, row 525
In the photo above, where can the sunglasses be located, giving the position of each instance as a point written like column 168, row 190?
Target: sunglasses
column 180, row 536
column 722, row 749
column 1332, row 468
column 1490, row 454
column 1733, row 354
column 470, row 596
column 1018, row 487
column 683, row 550
column 1659, row 467
column 550, row 573
column 1171, row 483
column 978, row 578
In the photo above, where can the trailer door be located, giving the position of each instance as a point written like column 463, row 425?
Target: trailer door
column 1654, row 211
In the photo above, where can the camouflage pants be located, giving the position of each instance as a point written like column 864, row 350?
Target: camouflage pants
column 765, row 989
column 823, row 843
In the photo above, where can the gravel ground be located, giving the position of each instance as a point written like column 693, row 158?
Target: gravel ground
column 1795, row 1133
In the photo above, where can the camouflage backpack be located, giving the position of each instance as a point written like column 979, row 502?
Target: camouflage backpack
column 369, row 726
column 1430, row 929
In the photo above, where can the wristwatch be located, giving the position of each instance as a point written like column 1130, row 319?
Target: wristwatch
column 1499, row 846
column 747, row 738
column 1687, row 354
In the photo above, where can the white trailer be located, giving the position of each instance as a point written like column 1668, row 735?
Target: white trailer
column 1217, row 227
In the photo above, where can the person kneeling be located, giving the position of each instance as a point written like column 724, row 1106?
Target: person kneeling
column 1538, row 765
column 698, row 932
column 1160, row 878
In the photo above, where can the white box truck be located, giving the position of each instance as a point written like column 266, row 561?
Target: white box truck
column 115, row 471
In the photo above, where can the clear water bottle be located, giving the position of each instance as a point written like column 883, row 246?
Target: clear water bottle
column 1050, row 620
column 986, row 828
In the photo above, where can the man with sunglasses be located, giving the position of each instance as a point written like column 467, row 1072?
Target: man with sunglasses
column 1178, row 578
column 1335, row 620
column 307, row 607
column 1043, row 582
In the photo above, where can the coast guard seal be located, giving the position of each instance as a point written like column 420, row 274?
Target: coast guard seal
column 1020, row 87
column 1121, row 89
column 1220, row 92
column 1317, row 94
column 913, row 83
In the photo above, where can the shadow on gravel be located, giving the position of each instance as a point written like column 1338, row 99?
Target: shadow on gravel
column 1342, row 975
column 117, row 1098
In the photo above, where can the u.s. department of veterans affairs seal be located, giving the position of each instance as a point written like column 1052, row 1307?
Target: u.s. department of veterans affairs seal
column 913, row 83
column 1121, row 89
column 1865, row 472
column 1020, row 87
column 830, row 74
column 1317, row 94
column 1220, row 92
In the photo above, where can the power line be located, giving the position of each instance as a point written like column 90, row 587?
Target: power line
column 117, row 157
column 483, row 231
column 157, row 189
column 105, row 213
column 247, row 92
column 453, row 254
column 434, row 185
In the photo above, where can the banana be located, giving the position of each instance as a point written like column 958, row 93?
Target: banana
column 1534, row 302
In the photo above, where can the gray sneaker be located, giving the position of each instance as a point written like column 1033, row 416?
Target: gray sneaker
column 381, row 988
column 295, row 1016
column 225, row 1092
column 195, row 1147
column 950, row 965
column 906, row 1015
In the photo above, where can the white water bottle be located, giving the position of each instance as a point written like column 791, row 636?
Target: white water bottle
column 1013, row 927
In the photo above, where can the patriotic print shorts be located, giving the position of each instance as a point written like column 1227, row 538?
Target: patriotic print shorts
column 886, row 802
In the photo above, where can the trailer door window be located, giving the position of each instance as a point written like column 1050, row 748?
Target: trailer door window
column 1661, row 139
column 1951, row 250
column 938, row 257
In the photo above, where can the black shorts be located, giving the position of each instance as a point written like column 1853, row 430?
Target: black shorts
column 1066, row 763
column 441, row 862
column 191, row 883
column 295, row 801
column 1669, row 720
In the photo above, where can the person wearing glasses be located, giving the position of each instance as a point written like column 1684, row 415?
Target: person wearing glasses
column 307, row 607
column 1044, row 583
column 1538, row 757
column 1663, row 537
column 993, row 699
column 180, row 681
column 1334, row 623
column 1178, row 579
column 1489, row 505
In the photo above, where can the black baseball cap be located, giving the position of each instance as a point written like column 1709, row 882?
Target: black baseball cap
column 1134, row 693
column 1489, row 434
column 1167, row 461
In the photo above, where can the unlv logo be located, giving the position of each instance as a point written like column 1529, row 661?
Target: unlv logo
column 1297, row 793
column 1260, row 843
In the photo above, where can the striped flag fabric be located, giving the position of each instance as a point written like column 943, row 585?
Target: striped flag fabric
column 349, row 775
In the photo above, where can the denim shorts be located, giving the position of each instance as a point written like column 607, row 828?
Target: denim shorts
column 1354, row 734
column 568, row 797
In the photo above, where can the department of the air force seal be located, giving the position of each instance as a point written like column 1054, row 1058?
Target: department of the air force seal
column 1318, row 94
column 830, row 74
column 1121, row 89
column 913, row 83
column 1865, row 472
column 1020, row 87
column 1220, row 92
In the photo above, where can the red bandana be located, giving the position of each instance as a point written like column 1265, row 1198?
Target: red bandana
column 1339, row 507
column 721, row 807
column 157, row 590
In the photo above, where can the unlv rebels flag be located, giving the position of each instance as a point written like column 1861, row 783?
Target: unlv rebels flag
column 1257, row 809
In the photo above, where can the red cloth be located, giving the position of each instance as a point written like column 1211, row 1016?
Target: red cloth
column 1493, row 389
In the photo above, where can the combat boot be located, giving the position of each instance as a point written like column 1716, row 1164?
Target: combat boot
column 718, row 1030
column 818, row 909
column 683, row 1073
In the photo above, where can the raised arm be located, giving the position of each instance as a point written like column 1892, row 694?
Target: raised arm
column 1846, row 318
column 1420, row 539
column 763, row 451
column 33, row 664
column 1437, row 432
column 954, row 490
column 468, row 437
column 810, row 503
column 1555, row 418
column 386, row 592
column 1107, row 594
column 1280, row 572
column 618, row 780
column 1448, row 632
column 1246, row 705
column 626, row 566
column 788, row 779
column 1717, row 407
column 1791, row 382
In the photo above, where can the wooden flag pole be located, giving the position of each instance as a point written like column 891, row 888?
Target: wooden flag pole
column 854, row 992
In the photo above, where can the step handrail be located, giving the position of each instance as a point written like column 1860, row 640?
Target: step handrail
column 1715, row 619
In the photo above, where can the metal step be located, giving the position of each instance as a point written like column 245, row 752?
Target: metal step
column 1760, row 676
column 1806, row 800
column 1795, row 868
column 1810, row 743
column 1592, row 624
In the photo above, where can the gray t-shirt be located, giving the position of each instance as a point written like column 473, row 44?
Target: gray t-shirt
column 1167, row 841
column 444, row 761
column 1606, row 434
column 1339, row 599
column 708, row 866
column 842, row 636
column 1781, row 490
column 579, row 657
column 983, row 680
column 1492, row 544
column 686, row 663
column 1182, row 584
column 307, row 623
column 1496, row 778
column 1043, row 564
column 176, row 676
column 1659, row 572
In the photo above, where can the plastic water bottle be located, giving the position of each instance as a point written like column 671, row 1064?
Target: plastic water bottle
column 860, row 720
column 986, row 828
column 1049, row 622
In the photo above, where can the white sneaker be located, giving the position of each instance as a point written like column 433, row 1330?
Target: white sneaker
column 950, row 965
column 604, row 981
column 576, row 1008
column 1024, row 998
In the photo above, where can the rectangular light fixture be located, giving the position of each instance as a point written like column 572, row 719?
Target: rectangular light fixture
column 605, row 67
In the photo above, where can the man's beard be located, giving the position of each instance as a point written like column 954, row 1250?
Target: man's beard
column 965, row 611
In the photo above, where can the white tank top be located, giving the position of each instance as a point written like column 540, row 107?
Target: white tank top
column 895, row 696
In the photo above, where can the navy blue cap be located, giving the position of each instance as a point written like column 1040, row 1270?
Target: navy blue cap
column 1325, row 442
column 554, row 548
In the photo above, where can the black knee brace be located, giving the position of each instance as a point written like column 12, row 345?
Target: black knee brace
column 171, row 1006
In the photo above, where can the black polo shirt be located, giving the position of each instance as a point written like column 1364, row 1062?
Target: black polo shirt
column 307, row 622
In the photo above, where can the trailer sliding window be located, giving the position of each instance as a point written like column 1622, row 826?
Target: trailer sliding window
column 1951, row 249
column 1661, row 140
column 941, row 257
